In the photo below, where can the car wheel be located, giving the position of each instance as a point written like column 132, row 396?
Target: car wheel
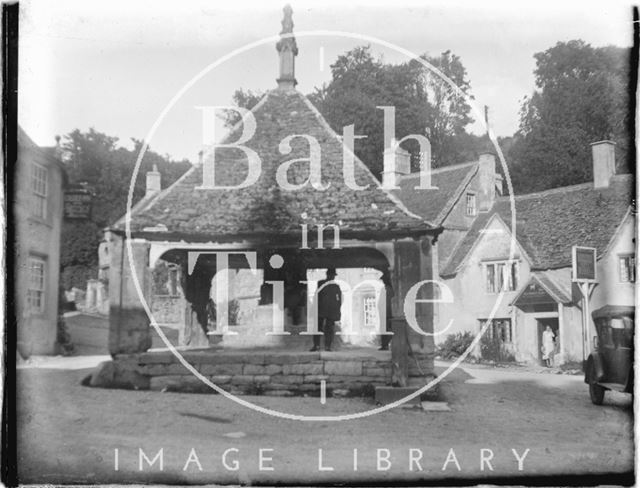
column 596, row 392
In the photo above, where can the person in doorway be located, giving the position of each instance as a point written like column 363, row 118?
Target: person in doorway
column 548, row 346
column 329, row 302
column 384, row 338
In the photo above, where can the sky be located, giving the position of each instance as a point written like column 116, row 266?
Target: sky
column 116, row 66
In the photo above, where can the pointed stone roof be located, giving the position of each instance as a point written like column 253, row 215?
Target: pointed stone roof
column 264, row 210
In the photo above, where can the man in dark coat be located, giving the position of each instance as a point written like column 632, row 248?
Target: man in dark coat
column 329, row 302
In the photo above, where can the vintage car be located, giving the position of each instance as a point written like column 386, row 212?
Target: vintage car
column 610, row 365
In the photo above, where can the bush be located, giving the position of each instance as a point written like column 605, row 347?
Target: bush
column 77, row 276
column 493, row 348
column 64, row 345
column 455, row 345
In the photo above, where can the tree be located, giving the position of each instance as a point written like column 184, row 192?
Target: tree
column 423, row 103
column 95, row 158
column 245, row 99
column 582, row 97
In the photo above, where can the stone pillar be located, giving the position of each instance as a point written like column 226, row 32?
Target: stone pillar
column 414, row 264
column 129, row 330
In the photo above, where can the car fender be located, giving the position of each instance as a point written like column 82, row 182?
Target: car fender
column 594, row 363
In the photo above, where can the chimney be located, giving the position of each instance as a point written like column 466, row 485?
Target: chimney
column 604, row 163
column 487, row 181
column 153, row 182
column 57, row 152
column 287, row 51
column 397, row 162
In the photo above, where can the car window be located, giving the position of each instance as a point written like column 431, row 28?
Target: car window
column 604, row 333
column 622, row 332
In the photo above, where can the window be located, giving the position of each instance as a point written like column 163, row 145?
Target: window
column 173, row 279
column 471, row 204
column 501, row 276
column 627, row 266
column 370, row 312
column 35, row 291
column 39, row 190
column 499, row 328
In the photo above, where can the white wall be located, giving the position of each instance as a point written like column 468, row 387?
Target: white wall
column 471, row 300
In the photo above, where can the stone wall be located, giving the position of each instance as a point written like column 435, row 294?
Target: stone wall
column 254, row 372
column 168, row 309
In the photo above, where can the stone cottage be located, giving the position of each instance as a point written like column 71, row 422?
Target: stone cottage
column 37, row 213
column 536, row 279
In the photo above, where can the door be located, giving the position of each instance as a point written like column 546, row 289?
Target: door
column 555, row 328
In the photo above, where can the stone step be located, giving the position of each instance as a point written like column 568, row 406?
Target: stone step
column 389, row 394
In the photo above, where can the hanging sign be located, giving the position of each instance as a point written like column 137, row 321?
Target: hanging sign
column 583, row 264
column 77, row 204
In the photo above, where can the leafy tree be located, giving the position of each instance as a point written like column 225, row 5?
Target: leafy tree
column 245, row 99
column 423, row 103
column 582, row 97
column 95, row 158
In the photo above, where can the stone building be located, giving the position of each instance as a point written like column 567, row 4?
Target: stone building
column 476, row 263
column 37, row 212
column 281, row 230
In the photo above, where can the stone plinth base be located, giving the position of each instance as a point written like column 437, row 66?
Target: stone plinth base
column 351, row 371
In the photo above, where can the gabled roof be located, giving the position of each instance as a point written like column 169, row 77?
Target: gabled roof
column 435, row 205
column 264, row 209
column 549, row 223
column 549, row 285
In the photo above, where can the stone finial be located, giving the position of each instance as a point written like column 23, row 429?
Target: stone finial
column 287, row 20
column 287, row 51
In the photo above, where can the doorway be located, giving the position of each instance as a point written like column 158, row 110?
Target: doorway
column 555, row 328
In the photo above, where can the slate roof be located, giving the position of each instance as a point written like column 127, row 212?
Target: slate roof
column 549, row 223
column 435, row 205
column 265, row 209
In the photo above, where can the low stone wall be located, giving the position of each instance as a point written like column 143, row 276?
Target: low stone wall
column 249, row 372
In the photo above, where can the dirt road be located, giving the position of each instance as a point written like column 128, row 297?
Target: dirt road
column 68, row 433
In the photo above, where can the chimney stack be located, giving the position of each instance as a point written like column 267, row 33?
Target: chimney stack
column 287, row 51
column 153, row 182
column 487, row 181
column 604, row 162
column 396, row 162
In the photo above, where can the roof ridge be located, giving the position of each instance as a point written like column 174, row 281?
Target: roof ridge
column 153, row 199
column 550, row 191
column 561, row 189
column 439, row 170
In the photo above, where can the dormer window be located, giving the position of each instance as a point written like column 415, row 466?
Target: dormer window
column 472, row 209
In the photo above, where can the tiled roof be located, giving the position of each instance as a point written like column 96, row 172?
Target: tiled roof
column 434, row 205
column 549, row 223
column 265, row 209
column 555, row 290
